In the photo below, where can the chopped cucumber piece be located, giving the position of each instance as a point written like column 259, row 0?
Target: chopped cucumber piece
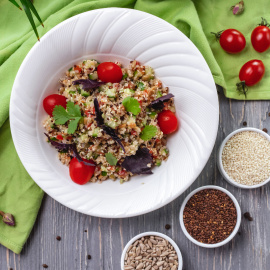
column 113, row 124
column 158, row 162
column 141, row 86
column 95, row 155
column 79, row 89
column 159, row 94
column 85, row 94
column 124, row 76
column 93, row 76
column 84, row 138
column 149, row 72
column 110, row 92
column 70, row 69
column 103, row 173
column 152, row 114
column 72, row 92
column 128, row 91
column 95, row 132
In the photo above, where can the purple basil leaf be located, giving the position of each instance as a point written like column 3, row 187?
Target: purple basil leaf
column 110, row 131
column 158, row 104
column 106, row 129
column 137, row 164
column 99, row 119
column 68, row 147
column 88, row 84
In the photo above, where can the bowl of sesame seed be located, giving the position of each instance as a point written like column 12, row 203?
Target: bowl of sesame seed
column 244, row 158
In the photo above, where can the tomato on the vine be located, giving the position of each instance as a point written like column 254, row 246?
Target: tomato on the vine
column 231, row 40
column 53, row 100
column 250, row 74
column 109, row 72
column 167, row 121
column 260, row 37
column 79, row 172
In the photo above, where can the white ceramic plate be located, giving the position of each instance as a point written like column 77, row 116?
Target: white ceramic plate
column 123, row 35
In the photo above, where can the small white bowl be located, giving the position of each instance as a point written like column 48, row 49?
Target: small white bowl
column 180, row 259
column 237, row 225
column 220, row 165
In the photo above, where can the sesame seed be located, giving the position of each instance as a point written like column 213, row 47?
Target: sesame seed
column 246, row 158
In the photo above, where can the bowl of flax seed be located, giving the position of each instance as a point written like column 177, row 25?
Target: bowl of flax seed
column 210, row 216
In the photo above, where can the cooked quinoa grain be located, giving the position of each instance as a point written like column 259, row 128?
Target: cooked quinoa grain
column 246, row 158
column 92, row 143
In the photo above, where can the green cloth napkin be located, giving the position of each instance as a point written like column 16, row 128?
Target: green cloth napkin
column 19, row 194
column 216, row 16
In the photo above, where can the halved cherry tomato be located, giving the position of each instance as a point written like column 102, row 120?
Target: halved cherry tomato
column 231, row 40
column 53, row 100
column 109, row 72
column 167, row 121
column 77, row 68
column 79, row 172
column 260, row 37
column 59, row 137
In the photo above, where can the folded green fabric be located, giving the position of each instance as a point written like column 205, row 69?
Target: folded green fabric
column 19, row 194
column 216, row 16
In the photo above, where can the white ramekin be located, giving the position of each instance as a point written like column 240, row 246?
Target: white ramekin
column 180, row 259
column 219, row 161
column 237, row 225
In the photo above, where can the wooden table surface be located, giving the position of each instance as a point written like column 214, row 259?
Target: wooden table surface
column 104, row 239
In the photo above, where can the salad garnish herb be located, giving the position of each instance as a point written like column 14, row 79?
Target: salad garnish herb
column 158, row 104
column 111, row 159
column 132, row 105
column 139, row 163
column 72, row 114
column 88, row 84
column 148, row 132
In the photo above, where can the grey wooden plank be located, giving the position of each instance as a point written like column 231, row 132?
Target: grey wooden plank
column 105, row 238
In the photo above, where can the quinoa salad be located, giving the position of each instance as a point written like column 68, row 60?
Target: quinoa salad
column 117, row 126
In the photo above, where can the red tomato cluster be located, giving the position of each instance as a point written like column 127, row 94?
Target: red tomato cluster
column 233, row 41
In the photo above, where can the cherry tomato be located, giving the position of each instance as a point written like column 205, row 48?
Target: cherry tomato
column 109, row 72
column 252, row 72
column 167, row 121
column 79, row 172
column 260, row 38
column 59, row 137
column 231, row 40
column 53, row 100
